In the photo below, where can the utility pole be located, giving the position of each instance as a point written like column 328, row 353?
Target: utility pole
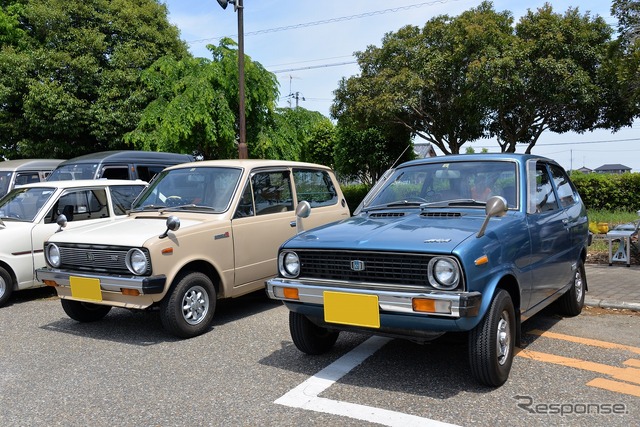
column 243, row 152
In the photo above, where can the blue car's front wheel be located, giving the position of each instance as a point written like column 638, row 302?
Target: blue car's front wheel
column 491, row 342
column 308, row 337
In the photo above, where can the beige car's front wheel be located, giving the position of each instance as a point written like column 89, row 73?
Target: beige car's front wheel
column 187, row 310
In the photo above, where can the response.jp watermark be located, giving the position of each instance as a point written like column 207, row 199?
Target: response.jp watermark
column 526, row 403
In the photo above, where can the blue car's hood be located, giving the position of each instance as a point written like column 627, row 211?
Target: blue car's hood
column 409, row 233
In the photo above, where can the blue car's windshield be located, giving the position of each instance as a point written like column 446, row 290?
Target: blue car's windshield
column 459, row 183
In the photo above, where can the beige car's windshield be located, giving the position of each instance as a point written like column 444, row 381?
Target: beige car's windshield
column 204, row 188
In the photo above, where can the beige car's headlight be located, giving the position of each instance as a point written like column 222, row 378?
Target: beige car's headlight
column 137, row 261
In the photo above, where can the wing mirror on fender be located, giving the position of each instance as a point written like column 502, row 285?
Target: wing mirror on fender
column 303, row 210
column 62, row 222
column 173, row 223
column 496, row 206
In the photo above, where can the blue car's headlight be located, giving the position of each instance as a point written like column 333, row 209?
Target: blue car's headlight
column 289, row 264
column 444, row 273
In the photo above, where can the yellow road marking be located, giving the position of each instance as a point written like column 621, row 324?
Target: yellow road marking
column 586, row 341
column 622, row 374
column 632, row 362
column 615, row 386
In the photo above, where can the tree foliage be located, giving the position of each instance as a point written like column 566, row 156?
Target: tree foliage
column 298, row 134
column 551, row 77
column 478, row 75
column 626, row 63
column 195, row 107
column 70, row 72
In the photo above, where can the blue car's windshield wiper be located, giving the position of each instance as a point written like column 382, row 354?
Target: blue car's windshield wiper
column 455, row 202
column 396, row 204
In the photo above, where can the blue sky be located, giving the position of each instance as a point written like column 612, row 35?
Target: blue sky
column 309, row 45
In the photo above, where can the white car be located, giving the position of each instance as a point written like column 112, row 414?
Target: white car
column 29, row 215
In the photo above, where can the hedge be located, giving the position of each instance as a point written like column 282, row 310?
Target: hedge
column 608, row 191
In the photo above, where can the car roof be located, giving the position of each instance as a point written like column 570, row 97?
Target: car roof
column 249, row 163
column 521, row 157
column 29, row 164
column 131, row 156
column 84, row 183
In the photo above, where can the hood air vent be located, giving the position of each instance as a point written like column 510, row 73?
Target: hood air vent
column 386, row 215
column 441, row 214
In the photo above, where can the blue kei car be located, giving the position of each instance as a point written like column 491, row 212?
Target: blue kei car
column 477, row 243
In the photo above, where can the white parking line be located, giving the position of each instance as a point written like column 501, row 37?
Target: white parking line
column 305, row 396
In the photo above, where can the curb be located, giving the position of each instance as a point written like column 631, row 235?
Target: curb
column 603, row 303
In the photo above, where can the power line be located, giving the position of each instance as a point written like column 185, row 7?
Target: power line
column 311, row 67
column 330, row 21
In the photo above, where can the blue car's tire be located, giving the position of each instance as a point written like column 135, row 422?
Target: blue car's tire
column 491, row 342
column 308, row 337
column 572, row 302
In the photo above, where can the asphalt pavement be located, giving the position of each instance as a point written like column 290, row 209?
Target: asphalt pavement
column 615, row 286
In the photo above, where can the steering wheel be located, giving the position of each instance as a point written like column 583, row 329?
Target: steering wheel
column 174, row 201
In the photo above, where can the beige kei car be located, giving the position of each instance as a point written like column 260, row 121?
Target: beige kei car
column 199, row 232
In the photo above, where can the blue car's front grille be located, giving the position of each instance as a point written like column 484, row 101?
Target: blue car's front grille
column 373, row 267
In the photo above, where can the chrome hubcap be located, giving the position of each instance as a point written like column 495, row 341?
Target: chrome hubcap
column 195, row 305
column 503, row 339
column 578, row 285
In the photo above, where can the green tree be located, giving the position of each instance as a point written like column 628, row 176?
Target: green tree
column 551, row 77
column 298, row 134
column 71, row 83
column 626, row 57
column 420, row 78
column 195, row 106
column 365, row 151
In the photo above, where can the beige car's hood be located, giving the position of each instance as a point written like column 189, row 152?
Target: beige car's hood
column 129, row 231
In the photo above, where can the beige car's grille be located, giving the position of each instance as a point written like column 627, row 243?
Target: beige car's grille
column 99, row 259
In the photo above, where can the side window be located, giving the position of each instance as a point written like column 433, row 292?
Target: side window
column 545, row 197
column 115, row 172
column 315, row 187
column 566, row 193
column 245, row 207
column 147, row 172
column 122, row 197
column 272, row 192
column 27, row 177
column 79, row 205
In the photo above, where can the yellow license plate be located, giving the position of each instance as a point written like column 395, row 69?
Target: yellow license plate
column 85, row 288
column 351, row 309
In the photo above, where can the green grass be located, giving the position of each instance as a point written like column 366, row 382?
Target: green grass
column 612, row 218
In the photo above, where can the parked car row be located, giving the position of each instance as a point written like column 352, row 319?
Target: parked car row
column 470, row 243
column 28, row 213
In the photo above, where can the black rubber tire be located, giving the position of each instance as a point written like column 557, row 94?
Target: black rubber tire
column 84, row 311
column 572, row 302
column 6, row 286
column 195, row 291
column 308, row 337
column 489, row 364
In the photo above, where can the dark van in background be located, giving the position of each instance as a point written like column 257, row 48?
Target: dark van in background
column 124, row 164
column 24, row 171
